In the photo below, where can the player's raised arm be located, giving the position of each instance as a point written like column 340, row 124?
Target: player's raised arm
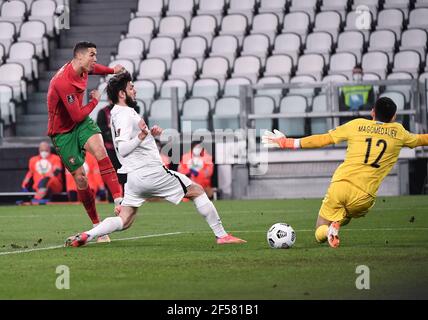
column 102, row 70
column 71, row 102
column 277, row 139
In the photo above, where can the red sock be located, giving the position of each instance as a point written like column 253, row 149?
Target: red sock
column 87, row 197
column 110, row 177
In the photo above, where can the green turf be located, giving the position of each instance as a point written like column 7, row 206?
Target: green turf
column 190, row 265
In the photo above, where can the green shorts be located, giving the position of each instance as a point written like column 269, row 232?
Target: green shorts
column 70, row 145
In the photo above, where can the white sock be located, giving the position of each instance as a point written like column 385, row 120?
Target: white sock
column 107, row 226
column 206, row 208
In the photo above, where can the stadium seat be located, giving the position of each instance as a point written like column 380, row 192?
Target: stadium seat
column 372, row 5
column 226, row 113
column 167, row 88
column 267, row 24
column 319, row 42
column 391, row 19
column 418, row 18
column 298, row 23
column 256, row 45
column 319, row 125
column 12, row 74
column 216, row 68
column 278, row 7
column 204, row 26
column 343, row 63
column 307, row 6
column 351, row 41
column 131, row 49
column 23, row 53
column 275, row 94
column 311, row 64
column 407, row 61
column 333, row 78
column 245, row 7
column 174, row 27
column 146, row 91
column 232, row 86
column 162, row 48
column 415, row 39
column 234, row 25
column 404, row 89
column 308, row 93
column 225, row 46
column 194, row 47
column 184, row 69
column 102, row 90
column 153, row 69
column 263, row 105
column 421, row 3
column 142, row 28
column 151, row 8
column 289, row 44
column 7, row 106
column 13, row 11
column 340, row 6
column 247, row 67
column 280, row 65
column 7, row 33
column 375, row 62
column 403, row 5
column 292, row 127
column 383, row 40
column 126, row 63
column 195, row 115
column 355, row 23
column 214, row 8
column 44, row 10
column 208, row 89
column 328, row 21
column 161, row 114
column 35, row 32
column 182, row 8
column 2, row 53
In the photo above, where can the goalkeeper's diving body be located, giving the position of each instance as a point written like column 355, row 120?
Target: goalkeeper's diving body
column 373, row 149
column 146, row 176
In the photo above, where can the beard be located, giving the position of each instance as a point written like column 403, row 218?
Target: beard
column 132, row 103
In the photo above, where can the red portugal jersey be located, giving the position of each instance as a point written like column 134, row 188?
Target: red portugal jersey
column 65, row 96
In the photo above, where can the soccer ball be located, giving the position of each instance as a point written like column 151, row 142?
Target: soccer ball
column 281, row 236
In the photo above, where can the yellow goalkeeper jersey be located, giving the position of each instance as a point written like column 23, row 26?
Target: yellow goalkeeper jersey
column 373, row 149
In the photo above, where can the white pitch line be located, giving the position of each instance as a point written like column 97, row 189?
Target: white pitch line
column 114, row 240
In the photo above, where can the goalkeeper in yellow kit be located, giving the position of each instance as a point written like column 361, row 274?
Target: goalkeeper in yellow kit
column 373, row 149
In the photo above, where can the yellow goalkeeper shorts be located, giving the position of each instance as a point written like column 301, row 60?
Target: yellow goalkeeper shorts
column 344, row 200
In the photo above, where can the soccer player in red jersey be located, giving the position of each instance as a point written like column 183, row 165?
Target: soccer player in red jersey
column 71, row 129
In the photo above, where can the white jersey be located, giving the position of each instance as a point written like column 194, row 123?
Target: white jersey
column 124, row 127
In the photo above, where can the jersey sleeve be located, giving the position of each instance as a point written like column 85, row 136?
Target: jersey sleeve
column 412, row 140
column 340, row 133
column 99, row 69
column 71, row 102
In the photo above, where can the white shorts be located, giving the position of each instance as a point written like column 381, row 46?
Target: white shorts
column 162, row 183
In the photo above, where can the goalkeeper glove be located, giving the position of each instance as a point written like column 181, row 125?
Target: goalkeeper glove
column 277, row 139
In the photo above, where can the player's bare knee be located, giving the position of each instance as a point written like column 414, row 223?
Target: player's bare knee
column 194, row 191
column 81, row 181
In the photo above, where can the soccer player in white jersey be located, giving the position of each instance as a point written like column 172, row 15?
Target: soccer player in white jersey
column 147, row 177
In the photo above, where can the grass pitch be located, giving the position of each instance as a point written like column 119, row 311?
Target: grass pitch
column 170, row 253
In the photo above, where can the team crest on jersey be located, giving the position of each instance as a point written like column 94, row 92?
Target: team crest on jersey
column 70, row 98
column 72, row 160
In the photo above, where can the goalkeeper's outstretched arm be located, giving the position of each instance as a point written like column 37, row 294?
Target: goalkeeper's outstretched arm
column 277, row 139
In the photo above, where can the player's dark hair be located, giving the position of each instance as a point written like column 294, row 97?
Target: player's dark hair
column 385, row 109
column 83, row 45
column 116, row 84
